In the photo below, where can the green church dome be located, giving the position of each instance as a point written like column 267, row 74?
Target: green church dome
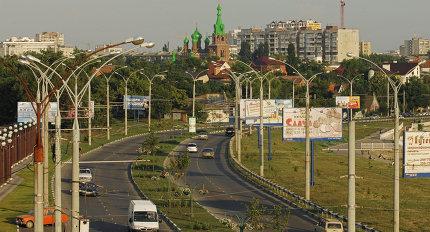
column 196, row 36
column 219, row 25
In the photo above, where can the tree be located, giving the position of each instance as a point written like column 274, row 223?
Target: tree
column 291, row 57
column 261, row 51
column 165, row 47
column 245, row 53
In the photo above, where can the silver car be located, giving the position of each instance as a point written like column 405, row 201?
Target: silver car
column 208, row 153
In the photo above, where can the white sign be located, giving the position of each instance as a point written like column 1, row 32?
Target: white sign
column 215, row 116
column 325, row 123
column 272, row 110
column 26, row 112
column 416, row 154
column 136, row 102
column 192, row 125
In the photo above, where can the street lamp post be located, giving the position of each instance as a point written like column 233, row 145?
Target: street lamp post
column 151, row 81
column 396, row 87
column 307, row 129
column 108, row 101
column 351, row 161
column 195, row 78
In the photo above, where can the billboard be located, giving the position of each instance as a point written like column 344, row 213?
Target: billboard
column 272, row 111
column 348, row 102
column 215, row 116
column 192, row 125
column 416, row 154
column 27, row 114
column 136, row 102
column 325, row 123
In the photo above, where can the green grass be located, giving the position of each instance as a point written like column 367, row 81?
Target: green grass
column 157, row 191
column 373, row 192
column 20, row 201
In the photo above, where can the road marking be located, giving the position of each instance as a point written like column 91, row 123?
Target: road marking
column 108, row 161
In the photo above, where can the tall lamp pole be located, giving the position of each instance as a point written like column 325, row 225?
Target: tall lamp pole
column 307, row 129
column 151, row 81
column 195, row 78
column 351, row 160
column 396, row 87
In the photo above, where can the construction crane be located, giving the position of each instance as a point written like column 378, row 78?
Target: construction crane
column 342, row 12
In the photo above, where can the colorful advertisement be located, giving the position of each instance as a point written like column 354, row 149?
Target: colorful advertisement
column 416, row 154
column 348, row 102
column 325, row 123
column 272, row 111
column 136, row 102
column 26, row 112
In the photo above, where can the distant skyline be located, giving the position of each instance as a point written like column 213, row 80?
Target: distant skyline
column 386, row 23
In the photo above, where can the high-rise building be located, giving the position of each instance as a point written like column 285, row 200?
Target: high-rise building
column 309, row 45
column 415, row 47
column 365, row 48
column 347, row 42
column 56, row 37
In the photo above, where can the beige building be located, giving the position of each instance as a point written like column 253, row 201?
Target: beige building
column 19, row 46
column 56, row 37
column 365, row 48
column 347, row 42
column 110, row 51
column 415, row 47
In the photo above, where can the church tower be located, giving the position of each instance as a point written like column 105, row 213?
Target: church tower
column 196, row 39
column 219, row 45
column 186, row 48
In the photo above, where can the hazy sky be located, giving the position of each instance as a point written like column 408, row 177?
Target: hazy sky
column 386, row 23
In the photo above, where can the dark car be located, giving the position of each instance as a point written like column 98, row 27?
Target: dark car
column 229, row 131
column 88, row 189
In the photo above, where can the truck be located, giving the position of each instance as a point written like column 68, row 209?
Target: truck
column 143, row 216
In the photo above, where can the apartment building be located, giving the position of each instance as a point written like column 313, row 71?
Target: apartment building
column 310, row 41
column 365, row 48
column 20, row 45
column 56, row 37
column 415, row 47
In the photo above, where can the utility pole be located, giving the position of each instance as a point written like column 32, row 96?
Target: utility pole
column 45, row 140
column 308, row 146
column 396, row 215
column 107, row 108
column 58, row 162
column 126, row 108
column 75, row 164
column 261, row 131
column 89, row 112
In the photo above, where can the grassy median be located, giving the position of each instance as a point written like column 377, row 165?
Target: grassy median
column 374, row 194
column 173, row 203
column 20, row 201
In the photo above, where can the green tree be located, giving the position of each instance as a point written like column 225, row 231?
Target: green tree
column 261, row 51
column 245, row 53
column 255, row 214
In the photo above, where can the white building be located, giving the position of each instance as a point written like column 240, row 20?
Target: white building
column 56, row 37
column 348, row 41
column 19, row 46
column 110, row 51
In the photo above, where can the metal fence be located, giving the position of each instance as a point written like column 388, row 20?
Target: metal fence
column 17, row 143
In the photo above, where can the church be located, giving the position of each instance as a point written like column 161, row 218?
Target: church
column 217, row 47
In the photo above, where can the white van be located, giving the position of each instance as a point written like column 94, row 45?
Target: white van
column 143, row 216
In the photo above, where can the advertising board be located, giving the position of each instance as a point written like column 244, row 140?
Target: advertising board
column 416, row 154
column 26, row 112
column 325, row 123
column 192, row 125
column 136, row 102
column 348, row 102
column 272, row 111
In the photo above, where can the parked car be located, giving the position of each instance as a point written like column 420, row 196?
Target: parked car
column 192, row 147
column 208, row 153
column 229, row 131
column 85, row 175
column 88, row 189
column 27, row 220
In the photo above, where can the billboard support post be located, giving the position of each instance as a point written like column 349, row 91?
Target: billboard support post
column 312, row 163
column 269, row 143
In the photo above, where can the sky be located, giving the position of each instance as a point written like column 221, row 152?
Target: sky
column 86, row 23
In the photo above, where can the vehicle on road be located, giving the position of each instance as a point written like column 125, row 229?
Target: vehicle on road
column 192, row 147
column 88, row 189
column 202, row 136
column 229, row 131
column 208, row 153
column 329, row 225
column 27, row 220
column 143, row 216
column 85, row 175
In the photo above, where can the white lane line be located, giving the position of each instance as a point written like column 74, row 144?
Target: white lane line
column 108, row 161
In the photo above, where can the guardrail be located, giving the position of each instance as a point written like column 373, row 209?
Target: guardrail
column 311, row 208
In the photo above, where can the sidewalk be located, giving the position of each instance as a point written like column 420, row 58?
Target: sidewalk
column 15, row 180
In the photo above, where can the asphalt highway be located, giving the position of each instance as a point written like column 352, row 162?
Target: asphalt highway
column 228, row 194
column 109, row 211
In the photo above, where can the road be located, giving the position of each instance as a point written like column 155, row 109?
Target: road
column 109, row 211
column 228, row 194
